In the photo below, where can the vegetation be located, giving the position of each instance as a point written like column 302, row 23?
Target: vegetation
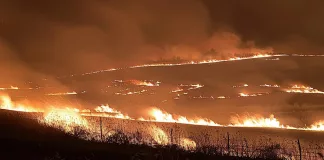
column 24, row 138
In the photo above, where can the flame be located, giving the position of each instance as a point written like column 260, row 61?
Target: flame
column 221, row 97
column 318, row 126
column 257, row 121
column 161, row 116
column 251, row 95
column 7, row 104
column 145, row 83
column 69, row 117
column 131, row 93
column 106, row 111
column 187, row 144
column 303, row 89
column 177, row 90
column 159, row 135
column 65, row 119
column 188, row 63
column 61, row 94
column 239, row 86
column 192, row 86
column 270, row 86
column 11, row 88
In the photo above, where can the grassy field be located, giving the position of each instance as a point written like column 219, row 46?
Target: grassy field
column 25, row 138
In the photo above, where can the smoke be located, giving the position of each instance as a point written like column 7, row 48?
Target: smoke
column 62, row 37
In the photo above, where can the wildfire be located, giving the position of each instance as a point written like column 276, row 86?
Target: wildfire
column 145, row 83
column 187, row 144
column 11, row 88
column 251, row 95
column 7, row 104
column 131, row 93
column 159, row 135
column 318, row 126
column 194, row 86
column 221, row 97
column 177, row 90
column 257, row 121
column 106, row 111
column 239, row 86
column 303, row 89
column 161, row 116
column 270, row 86
column 64, row 119
column 61, row 94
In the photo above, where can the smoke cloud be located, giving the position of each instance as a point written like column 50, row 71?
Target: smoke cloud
column 62, row 37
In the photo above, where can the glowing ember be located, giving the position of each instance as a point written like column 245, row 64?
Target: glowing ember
column 159, row 135
column 303, row 89
column 161, row 116
column 61, row 94
column 187, row 144
column 64, row 119
column 256, row 121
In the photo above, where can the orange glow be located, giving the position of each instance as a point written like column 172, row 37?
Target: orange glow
column 256, row 121
column 11, row 88
column 239, row 86
column 177, row 90
column 318, row 126
column 251, row 95
column 106, row 111
column 145, row 83
column 159, row 135
column 221, row 97
column 64, row 119
column 7, row 104
column 161, row 116
column 61, row 94
column 192, row 86
column 270, row 86
column 190, row 63
column 303, row 89
column 187, row 144
column 131, row 93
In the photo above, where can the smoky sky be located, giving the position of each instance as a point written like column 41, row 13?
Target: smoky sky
column 68, row 36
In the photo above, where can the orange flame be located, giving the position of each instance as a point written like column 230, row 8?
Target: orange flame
column 256, row 121
column 145, row 83
column 187, row 144
column 318, row 126
column 61, row 94
column 159, row 135
column 65, row 119
column 7, row 104
column 161, row 116
column 11, row 88
column 106, row 111
column 303, row 89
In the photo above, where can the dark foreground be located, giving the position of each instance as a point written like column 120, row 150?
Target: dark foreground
column 23, row 138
